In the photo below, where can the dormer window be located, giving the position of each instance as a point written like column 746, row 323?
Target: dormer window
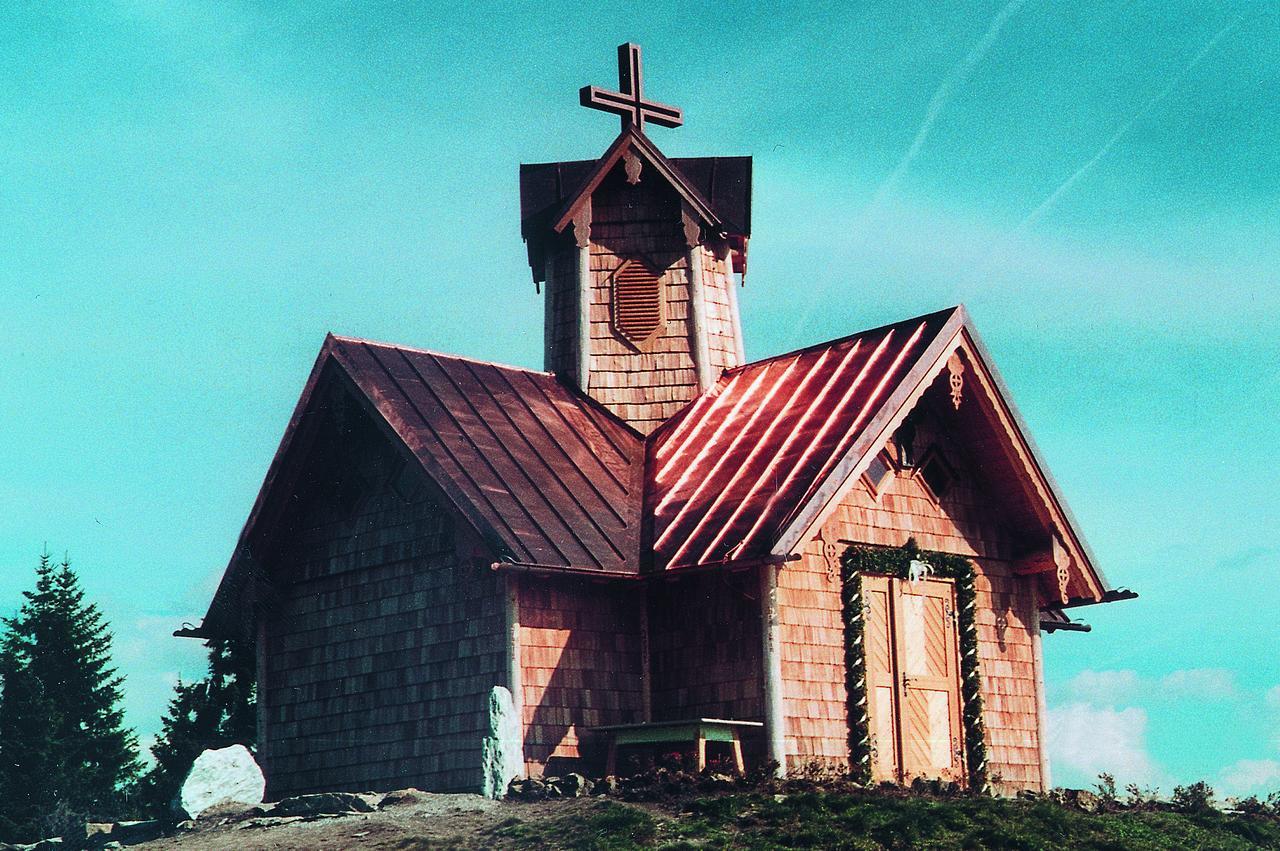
column 936, row 473
column 638, row 309
column 878, row 472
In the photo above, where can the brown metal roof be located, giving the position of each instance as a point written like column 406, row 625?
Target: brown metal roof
column 549, row 473
column 728, row 473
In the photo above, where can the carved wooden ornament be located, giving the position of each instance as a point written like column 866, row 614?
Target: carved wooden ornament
column 955, row 370
column 632, row 164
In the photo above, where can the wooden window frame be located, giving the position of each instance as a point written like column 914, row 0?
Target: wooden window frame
column 931, row 456
column 891, row 470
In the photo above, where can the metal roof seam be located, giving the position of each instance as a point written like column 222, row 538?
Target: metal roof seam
column 724, row 456
column 706, row 448
column 815, row 405
column 590, row 481
column 523, row 436
column 817, row 441
column 479, row 489
column 763, row 440
column 854, row 429
column 699, row 421
column 519, row 469
column 586, row 444
column 426, row 426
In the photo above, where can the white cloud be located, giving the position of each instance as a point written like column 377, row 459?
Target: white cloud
column 1203, row 683
column 1105, row 686
column 1087, row 740
column 1250, row 777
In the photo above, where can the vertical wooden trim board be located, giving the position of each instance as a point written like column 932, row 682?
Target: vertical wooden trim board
column 775, row 720
column 515, row 678
column 584, row 315
column 698, row 316
column 1037, row 657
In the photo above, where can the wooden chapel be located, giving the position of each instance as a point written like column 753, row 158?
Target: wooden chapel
column 850, row 550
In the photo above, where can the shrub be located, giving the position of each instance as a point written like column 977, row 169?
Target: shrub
column 1196, row 798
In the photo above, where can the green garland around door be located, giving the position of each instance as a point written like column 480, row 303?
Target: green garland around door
column 896, row 562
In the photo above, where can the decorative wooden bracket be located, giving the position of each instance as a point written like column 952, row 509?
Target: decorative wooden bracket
column 830, row 557
column 1053, row 558
column 632, row 164
column 692, row 227
column 955, row 368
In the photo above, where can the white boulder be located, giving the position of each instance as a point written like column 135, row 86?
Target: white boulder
column 223, row 776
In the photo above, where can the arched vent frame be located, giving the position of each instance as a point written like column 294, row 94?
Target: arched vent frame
column 638, row 302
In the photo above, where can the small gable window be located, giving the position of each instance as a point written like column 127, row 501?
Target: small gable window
column 638, row 313
column 937, row 474
column 878, row 471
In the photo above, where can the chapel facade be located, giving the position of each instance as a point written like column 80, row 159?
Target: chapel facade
column 652, row 529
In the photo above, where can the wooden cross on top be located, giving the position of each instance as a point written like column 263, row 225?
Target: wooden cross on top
column 629, row 102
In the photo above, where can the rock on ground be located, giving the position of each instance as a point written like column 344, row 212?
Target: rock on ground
column 226, row 775
column 501, row 752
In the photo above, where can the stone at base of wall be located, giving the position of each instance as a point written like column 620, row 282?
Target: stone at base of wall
column 500, row 754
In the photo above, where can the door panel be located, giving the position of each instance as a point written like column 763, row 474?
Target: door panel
column 882, row 697
column 913, row 679
column 929, row 683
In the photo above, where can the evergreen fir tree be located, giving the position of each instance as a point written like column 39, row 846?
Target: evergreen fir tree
column 65, row 741
column 214, row 712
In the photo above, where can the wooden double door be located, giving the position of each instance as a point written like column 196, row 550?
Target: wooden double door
column 913, row 679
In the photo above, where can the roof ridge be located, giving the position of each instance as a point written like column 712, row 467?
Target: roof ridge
column 342, row 338
column 924, row 317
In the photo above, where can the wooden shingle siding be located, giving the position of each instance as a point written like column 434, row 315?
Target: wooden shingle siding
column 966, row 522
column 817, row 732
column 644, row 385
column 705, row 648
column 384, row 644
column 580, row 664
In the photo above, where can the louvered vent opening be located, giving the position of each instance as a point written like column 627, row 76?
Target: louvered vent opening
column 637, row 301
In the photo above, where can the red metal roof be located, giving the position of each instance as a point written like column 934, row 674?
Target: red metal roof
column 728, row 473
column 544, row 469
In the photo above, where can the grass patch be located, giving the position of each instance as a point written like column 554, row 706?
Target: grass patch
column 868, row 820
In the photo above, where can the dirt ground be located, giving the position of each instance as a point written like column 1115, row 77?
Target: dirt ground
column 429, row 821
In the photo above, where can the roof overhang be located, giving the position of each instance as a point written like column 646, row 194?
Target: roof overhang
column 633, row 141
column 957, row 338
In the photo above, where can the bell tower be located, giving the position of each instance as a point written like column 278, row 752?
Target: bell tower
column 638, row 253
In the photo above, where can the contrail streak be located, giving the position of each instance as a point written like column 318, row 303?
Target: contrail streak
column 942, row 96
column 1044, row 206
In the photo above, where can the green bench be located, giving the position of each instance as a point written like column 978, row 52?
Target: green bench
column 698, row 731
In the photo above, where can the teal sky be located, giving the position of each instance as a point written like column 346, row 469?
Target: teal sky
column 192, row 193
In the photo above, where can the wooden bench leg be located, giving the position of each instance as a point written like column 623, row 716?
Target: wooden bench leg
column 611, row 762
column 702, row 752
column 737, row 755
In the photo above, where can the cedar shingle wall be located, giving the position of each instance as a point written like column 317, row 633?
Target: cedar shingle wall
column 812, row 650
column 964, row 523
column 383, row 649
column 580, row 664
column 562, row 289
column 705, row 648
column 717, row 278
column 647, row 386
